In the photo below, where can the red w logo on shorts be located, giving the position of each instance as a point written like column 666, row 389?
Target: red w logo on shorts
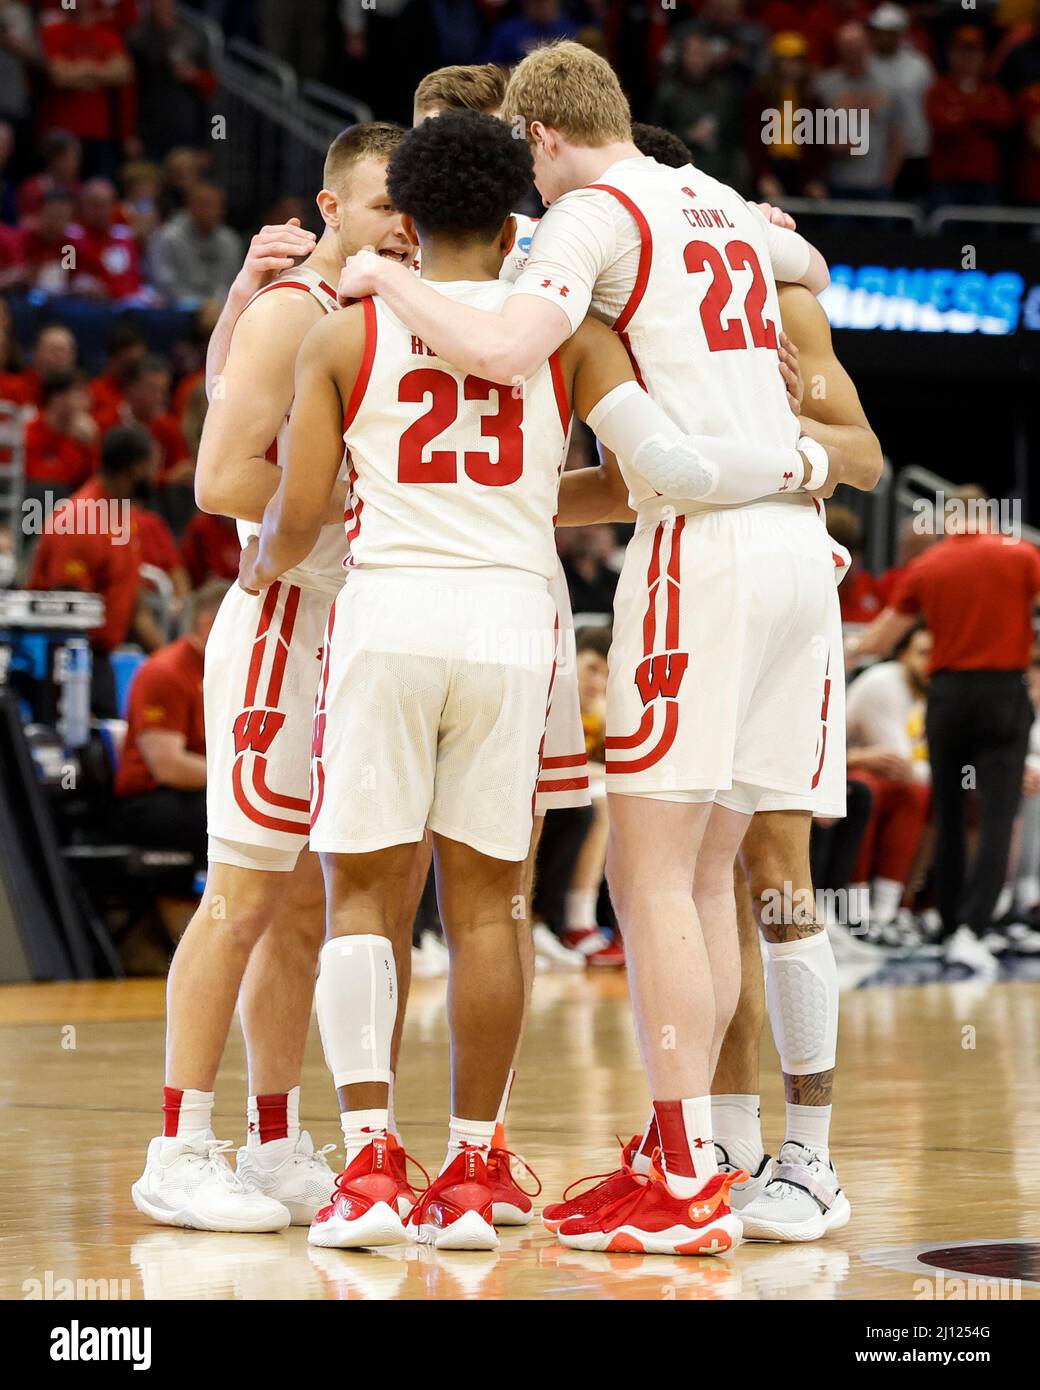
column 255, row 729
column 661, row 676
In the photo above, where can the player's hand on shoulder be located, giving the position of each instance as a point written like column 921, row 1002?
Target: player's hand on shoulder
column 776, row 216
column 791, row 372
column 247, row 565
column 359, row 277
column 272, row 250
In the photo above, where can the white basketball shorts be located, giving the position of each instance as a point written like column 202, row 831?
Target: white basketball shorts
column 722, row 642
column 432, row 710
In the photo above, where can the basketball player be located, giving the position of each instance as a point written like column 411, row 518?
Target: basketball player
column 438, row 658
column 684, row 270
column 775, row 850
column 564, row 779
column 264, row 889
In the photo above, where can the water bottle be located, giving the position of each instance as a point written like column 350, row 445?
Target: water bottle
column 74, row 720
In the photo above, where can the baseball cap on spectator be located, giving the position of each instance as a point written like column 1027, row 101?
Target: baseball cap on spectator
column 893, row 19
column 789, row 44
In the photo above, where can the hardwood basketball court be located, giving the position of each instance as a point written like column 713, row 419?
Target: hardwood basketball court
column 936, row 1137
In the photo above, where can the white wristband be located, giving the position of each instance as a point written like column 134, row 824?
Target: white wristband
column 818, row 460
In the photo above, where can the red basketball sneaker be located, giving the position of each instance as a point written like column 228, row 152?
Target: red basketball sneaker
column 651, row 1220
column 363, row 1210
column 512, row 1206
column 455, row 1211
column 609, row 1187
column 407, row 1195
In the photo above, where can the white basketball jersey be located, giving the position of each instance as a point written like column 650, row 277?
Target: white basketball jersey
column 702, row 321
column 446, row 469
column 323, row 567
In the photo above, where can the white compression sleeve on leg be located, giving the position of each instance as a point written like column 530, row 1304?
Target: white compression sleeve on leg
column 356, row 1001
column 649, row 445
column 802, row 998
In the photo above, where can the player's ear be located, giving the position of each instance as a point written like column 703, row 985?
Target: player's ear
column 544, row 137
column 507, row 236
column 328, row 206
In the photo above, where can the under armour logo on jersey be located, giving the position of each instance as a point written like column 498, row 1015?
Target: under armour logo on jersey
column 255, row 729
column 689, row 192
column 661, row 676
column 563, row 291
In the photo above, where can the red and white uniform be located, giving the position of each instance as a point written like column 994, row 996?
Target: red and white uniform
column 564, row 780
column 723, row 615
column 441, row 645
column 263, row 662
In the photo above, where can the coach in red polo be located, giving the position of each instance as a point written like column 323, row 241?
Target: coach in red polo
column 975, row 590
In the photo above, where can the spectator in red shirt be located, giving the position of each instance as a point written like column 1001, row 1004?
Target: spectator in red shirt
column 146, row 396
column 968, row 116
column 54, row 351
column 162, row 773
column 51, row 245
column 90, row 545
column 62, row 156
column 89, row 76
column 14, row 273
column 61, row 442
column 210, row 548
column 976, row 590
column 108, row 263
column 125, row 344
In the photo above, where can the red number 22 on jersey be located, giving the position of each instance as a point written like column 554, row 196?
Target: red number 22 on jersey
column 729, row 336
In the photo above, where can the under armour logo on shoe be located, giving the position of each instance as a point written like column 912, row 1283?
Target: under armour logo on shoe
column 699, row 1212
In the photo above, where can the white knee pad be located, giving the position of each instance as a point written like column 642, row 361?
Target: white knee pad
column 802, row 998
column 356, row 1001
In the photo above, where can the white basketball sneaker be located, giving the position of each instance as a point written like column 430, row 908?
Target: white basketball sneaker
column 302, row 1180
column 192, row 1184
column 549, row 948
column 802, row 1200
column 741, row 1194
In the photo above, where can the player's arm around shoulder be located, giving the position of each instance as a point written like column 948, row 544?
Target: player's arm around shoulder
column 327, row 367
column 249, row 402
column 831, row 410
column 591, row 368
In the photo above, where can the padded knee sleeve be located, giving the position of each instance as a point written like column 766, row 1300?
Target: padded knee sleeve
column 802, row 998
column 356, row 999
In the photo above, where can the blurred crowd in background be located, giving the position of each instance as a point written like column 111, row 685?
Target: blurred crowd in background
column 106, row 197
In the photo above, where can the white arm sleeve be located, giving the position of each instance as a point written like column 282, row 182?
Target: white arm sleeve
column 573, row 243
column 788, row 251
column 656, row 457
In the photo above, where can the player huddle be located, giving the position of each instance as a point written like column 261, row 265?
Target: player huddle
column 390, row 679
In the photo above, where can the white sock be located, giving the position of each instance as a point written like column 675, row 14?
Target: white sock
column 475, row 1134
column 645, row 1151
column 736, row 1121
column 503, row 1104
column 360, row 1127
column 187, row 1116
column 885, row 897
column 284, row 1110
column 1004, row 902
column 686, row 1134
column 581, row 909
column 810, row 1125
column 1028, row 892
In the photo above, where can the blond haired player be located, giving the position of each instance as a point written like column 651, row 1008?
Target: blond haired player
column 685, row 272
column 259, row 926
column 439, row 658
column 775, row 872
